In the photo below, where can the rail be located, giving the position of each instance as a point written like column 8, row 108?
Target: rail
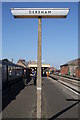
column 71, row 83
column 66, row 76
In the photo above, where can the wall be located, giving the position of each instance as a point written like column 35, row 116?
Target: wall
column 64, row 70
column 72, row 70
column 77, row 72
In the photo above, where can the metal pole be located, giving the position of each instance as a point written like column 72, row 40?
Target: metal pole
column 39, row 70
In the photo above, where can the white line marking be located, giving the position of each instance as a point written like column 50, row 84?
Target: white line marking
column 70, row 89
column 38, row 88
column 67, row 88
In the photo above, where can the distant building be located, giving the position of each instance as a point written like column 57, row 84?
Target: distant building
column 77, row 72
column 31, row 64
column 57, row 71
column 52, row 69
column 6, row 60
column 71, row 68
column 22, row 62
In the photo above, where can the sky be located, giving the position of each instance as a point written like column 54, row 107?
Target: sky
column 40, row 1
column 59, row 36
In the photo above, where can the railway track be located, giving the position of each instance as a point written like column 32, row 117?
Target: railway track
column 70, row 83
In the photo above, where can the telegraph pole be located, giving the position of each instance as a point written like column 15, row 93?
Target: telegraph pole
column 39, row 70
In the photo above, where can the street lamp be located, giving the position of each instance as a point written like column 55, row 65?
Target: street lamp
column 39, row 13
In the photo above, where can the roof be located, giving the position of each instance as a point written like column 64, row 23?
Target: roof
column 10, row 64
column 25, row 63
column 75, row 62
column 35, row 65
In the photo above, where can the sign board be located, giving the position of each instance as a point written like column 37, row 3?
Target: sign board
column 40, row 12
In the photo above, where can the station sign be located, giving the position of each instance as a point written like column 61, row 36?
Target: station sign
column 40, row 12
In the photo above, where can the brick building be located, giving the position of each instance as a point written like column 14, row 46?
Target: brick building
column 77, row 72
column 71, row 68
column 64, row 69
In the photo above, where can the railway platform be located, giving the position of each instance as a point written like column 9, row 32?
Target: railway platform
column 57, row 101
column 20, row 101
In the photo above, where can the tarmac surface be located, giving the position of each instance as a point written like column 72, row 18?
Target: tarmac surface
column 57, row 101
column 20, row 101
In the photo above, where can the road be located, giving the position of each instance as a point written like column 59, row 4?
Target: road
column 57, row 101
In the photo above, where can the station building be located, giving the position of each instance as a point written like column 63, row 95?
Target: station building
column 71, row 68
column 33, row 65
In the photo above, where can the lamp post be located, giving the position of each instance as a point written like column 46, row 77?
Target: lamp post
column 39, row 13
